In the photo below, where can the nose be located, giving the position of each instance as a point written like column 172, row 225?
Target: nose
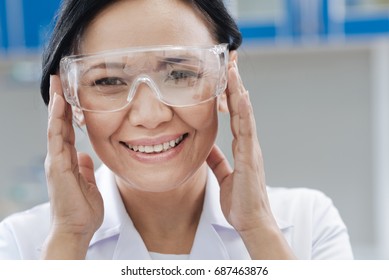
column 142, row 79
column 146, row 109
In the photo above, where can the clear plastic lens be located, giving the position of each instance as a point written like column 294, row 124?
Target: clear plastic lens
column 179, row 76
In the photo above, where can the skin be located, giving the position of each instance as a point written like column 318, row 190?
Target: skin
column 147, row 186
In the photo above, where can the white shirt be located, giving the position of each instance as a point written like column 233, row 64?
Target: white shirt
column 307, row 218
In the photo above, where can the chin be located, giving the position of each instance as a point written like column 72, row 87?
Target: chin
column 158, row 182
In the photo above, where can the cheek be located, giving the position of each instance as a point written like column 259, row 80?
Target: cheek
column 202, row 118
column 100, row 126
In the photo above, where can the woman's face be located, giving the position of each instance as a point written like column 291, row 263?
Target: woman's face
column 146, row 122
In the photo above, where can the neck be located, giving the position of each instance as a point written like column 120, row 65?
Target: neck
column 167, row 221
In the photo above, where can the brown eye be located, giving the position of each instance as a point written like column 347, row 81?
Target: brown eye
column 182, row 77
column 109, row 81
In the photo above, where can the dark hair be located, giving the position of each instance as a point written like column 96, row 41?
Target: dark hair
column 75, row 15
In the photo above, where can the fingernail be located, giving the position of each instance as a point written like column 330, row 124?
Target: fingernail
column 54, row 96
column 51, row 94
column 51, row 102
column 51, row 80
column 235, row 65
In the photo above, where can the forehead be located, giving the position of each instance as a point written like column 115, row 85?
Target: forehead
column 134, row 23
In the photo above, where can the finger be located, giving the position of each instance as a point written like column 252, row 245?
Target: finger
column 60, row 132
column 58, row 88
column 247, row 128
column 86, row 168
column 219, row 164
column 59, row 124
column 234, row 94
column 245, row 145
column 55, row 87
column 56, row 126
column 248, row 154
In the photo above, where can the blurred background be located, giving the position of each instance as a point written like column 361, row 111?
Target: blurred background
column 317, row 72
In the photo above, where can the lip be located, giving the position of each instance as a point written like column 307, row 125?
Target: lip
column 155, row 157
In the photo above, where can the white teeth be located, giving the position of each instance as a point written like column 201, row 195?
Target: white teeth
column 157, row 148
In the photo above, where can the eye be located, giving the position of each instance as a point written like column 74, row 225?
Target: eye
column 109, row 86
column 182, row 77
column 181, row 74
column 109, row 81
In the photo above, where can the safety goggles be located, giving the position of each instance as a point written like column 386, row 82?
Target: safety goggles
column 179, row 76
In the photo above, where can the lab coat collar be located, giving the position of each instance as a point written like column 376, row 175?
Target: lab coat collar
column 208, row 242
column 130, row 244
column 210, row 239
column 117, row 222
column 114, row 210
column 216, row 238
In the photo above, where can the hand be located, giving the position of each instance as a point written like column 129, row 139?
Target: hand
column 76, row 204
column 243, row 194
column 243, row 190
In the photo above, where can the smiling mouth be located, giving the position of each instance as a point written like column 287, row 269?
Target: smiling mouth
column 158, row 148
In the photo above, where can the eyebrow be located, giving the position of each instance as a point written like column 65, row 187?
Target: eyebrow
column 121, row 65
column 180, row 59
column 103, row 65
column 174, row 59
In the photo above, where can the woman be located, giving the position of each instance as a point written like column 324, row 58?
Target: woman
column 147, row 79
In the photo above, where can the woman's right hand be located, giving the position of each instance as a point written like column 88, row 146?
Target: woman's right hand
column 76, row 204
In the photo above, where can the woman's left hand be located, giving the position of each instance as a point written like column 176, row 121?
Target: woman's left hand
column 243, row 194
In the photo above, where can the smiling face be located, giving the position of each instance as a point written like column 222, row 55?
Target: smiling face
column 149, row 145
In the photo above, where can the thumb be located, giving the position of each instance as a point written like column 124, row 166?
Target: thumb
column 219, row 164
column 86, row 168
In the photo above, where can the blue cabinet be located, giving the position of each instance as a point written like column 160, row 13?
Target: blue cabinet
column 25, row 24
column 38, row 20
column 318, row 20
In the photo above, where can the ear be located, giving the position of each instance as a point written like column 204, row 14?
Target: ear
column 78, row 116
column 223, row 106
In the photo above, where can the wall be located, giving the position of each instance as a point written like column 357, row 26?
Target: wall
column 23, row 143
column 315, row 116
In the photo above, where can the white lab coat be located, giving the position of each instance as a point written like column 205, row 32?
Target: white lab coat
column 309, row 221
